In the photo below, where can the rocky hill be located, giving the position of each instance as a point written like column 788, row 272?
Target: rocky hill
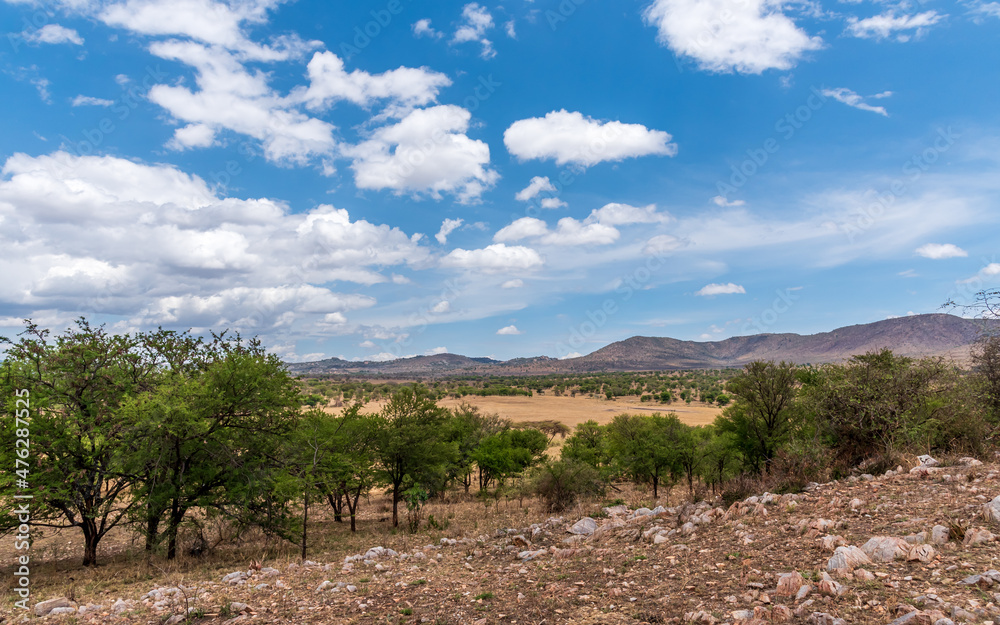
column 915, row 546
column 918, row 335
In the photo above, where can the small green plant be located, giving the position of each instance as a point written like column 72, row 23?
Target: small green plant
column 418, row 582
column 484, row 596
column 438, row 525
column 406, row 611
column 415, row 497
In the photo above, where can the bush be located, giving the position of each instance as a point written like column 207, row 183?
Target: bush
column 741, row 487
column 559, row 484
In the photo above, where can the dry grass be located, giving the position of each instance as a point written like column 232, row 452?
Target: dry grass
column 618, row 580
column 574, row 410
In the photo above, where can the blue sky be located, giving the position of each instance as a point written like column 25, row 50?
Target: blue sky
column 372, row 180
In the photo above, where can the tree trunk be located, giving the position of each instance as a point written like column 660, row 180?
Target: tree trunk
column 90, row 540
column 395, row 505
column 152, row 531
column 352, row 507
column 337, row 503
column 305, row 523
column 176, row 516
column 656, row 485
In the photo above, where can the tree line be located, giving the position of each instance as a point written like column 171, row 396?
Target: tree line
column 148, row 430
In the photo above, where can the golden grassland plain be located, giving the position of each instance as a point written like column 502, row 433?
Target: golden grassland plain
column 572, row 410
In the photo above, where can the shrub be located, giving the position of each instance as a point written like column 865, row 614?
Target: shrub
column 560, row 483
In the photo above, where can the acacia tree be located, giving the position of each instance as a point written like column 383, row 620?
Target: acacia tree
column 508, row 453
column 411, row 446
column 762, row 417
column 986, row 361
column 645, row 447
column 79, row 441
column 589, row 444
column 209, row 436
column 467, row 428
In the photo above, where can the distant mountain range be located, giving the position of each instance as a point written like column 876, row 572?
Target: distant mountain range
column 917, row 335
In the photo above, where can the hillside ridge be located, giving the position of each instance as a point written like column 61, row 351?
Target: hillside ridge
column 935, row 334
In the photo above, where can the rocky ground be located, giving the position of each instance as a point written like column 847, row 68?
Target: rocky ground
column 912, row 546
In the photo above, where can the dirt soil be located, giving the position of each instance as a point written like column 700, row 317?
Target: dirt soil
column 512, row 564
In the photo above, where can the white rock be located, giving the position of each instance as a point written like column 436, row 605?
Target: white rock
column 847, row 557
column 584, row 527
column 940, row 534
column 927, row 461
column 923, row 553
column 886, row 548
column 991, row 511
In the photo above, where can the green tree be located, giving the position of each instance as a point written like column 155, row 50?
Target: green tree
column 588, row 444
column 80, row 442
column 762, row 417
column 644, row 447
column 466, row 429
column 879, row 402
column 209, row 436
column 412, row 448
column 506, row 454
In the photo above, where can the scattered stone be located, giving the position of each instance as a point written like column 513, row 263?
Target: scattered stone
column 45, row 607
column 977, row 536
column 831, row 588
column 822, row 618
column 991, row 511
column 849, row 557
column 57, row 611
column 864, row 575
column 913, row 617
column 969, row 462
column 584, row 527
column 830, row 542
column 886, row 548
column 922, row 553
column 917, row 539
column 176, row 619
column 803, row 592
column 789, row 584
column 120, row 606
column 940, row 534
column 927, row 461
column 701, row 617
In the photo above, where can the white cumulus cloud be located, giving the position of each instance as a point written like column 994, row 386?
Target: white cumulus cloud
column 476, row 20
column 615, row 214
column 746, row 36
column 570, row 137
column 537, row 185
column 427, row 152
column 54, row 33
column 938, row 251
column 447, row 227
column 720, row 289
column 510, row 330
column 496, row 258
